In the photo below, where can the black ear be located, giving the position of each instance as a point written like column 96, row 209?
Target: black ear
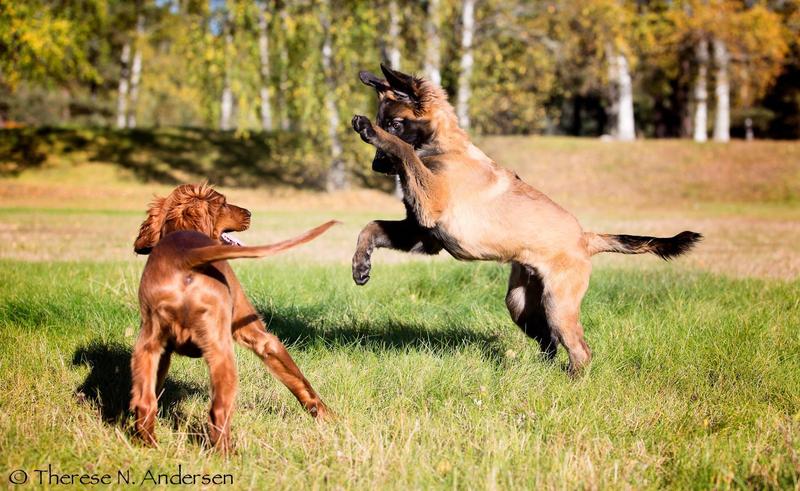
column 369, row 78
column 402, row 85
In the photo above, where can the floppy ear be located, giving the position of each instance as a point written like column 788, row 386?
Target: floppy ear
column 403, row 86
column 150, row 231
column 369, row 78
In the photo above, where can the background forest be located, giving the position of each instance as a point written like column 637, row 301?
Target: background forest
column 282, row 74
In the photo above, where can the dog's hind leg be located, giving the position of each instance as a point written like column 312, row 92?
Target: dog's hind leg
column 564, row 287
column 274, row 355
column 524, row 302
column 224, row 384
column 144, row 372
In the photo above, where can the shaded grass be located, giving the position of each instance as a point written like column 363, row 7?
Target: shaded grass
column 695, row 382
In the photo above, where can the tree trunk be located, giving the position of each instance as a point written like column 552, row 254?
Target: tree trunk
column 626, row 128
column 432, row 54
column 722, row 119
column 226, row 102
column 136, row 70
column 394, row 35
column 701, row 93
column 394, row 62
column 122, row 89
column 263, row 51
column 465, row 74
column 283, row 85
column 612, row 111
column 337, row 178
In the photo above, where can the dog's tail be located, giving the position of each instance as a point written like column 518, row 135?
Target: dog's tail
column 664, row 247
column 209, row 254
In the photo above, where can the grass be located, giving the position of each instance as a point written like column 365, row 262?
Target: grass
column 695, row 383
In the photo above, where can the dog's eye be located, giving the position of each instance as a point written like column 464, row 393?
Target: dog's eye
column 396, row 125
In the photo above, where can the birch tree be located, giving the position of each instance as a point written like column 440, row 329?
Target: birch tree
column 226, row 101
column 393, row 48
column 626, row 129
column 722, row 113
column 283, row 84
column 337, row 177
column 701, row 92
column 433, row 43
column 122, row 87
column 136, row 68
column 393, row 55
column 467, row 61
column 263, row 52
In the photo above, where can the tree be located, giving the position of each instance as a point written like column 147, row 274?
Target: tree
column 701, row 92
column 722, row 114
column 122, row 88
column 337, row 177
column 263, row 51
column 433, row 43
column 136, row 67
column 467, row 61
column 393, row 48
column 226, row 99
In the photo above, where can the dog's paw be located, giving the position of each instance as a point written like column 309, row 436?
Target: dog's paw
column 363, row 126
column 322, row 413
column 361, row 269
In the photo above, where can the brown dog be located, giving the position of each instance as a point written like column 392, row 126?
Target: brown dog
column 460, row 200
column 192, row 304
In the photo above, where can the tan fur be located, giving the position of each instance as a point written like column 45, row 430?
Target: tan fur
column 481, row 211
column 191, row 303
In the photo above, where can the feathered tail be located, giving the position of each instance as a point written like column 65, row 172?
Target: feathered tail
column 209, row 254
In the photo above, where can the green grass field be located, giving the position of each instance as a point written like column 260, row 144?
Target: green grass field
column 695, row 381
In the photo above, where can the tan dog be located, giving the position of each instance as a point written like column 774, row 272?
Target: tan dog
column 460, row 200
column 192, row 304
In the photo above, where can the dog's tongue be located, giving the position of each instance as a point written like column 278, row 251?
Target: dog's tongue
column 230, row 240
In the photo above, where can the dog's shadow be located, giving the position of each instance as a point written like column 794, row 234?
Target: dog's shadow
column 297, row 329
column 108, row 385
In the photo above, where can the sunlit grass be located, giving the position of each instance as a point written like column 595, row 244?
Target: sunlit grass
column 695, row 382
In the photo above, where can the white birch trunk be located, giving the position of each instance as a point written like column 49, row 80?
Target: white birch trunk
column 226, row 102
column 432, row 49
column 701, row 93
column 337, row 178
column 136, row 71
column 394, row 61
column 626, row 127
column 263, row 51
column 122, row 89
column 722, row 117
column 283, row 85
column 394, row 35
column 612, row 112
column 465, row 73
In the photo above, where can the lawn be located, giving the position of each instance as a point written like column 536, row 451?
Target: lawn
column 695, row 381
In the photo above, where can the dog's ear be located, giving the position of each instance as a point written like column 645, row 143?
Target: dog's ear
column 374, row 81
column 150, row 231
column 403, row 86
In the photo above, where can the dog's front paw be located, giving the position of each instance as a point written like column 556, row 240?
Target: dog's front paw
column 361, row 269
column 363, row 126
column 321, row 413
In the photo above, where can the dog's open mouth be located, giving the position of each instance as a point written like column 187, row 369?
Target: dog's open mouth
column 229, row 239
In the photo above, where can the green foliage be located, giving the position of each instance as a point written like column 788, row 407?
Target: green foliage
column 540, row 66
